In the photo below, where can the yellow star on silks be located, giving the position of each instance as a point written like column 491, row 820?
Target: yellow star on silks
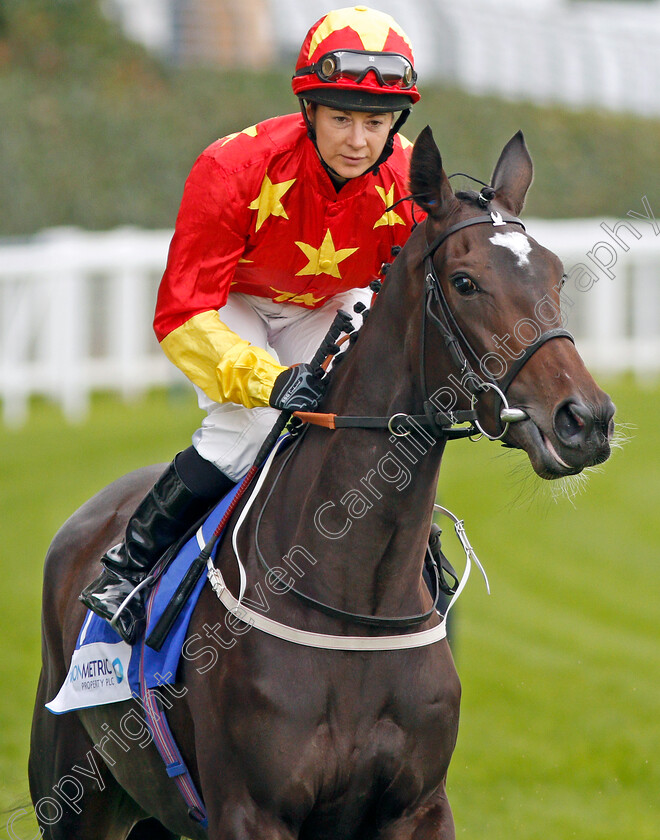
column 389, row 217
column 269, row 200
column 251, row 132
column 307, row 299
column 324, row 260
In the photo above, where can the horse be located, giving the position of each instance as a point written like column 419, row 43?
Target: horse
column 286, row 741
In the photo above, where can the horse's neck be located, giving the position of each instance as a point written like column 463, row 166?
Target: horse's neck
column 359, row 502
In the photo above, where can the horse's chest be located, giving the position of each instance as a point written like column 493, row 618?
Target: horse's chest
column 345, row 737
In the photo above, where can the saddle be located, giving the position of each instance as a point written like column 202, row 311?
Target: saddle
column 104, row 668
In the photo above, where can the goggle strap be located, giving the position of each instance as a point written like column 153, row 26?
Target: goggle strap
column 315, row 69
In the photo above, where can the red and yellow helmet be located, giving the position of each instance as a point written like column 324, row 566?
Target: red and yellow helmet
column 357, row 59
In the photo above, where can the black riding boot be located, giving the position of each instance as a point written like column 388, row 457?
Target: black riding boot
column 162, row 517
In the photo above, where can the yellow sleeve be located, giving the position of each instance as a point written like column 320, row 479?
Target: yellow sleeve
column 225, row 366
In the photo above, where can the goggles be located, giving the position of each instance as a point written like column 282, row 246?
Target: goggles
column 391, row 69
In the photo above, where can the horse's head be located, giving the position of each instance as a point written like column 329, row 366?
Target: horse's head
column 495, row 290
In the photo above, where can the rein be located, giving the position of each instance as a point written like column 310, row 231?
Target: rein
column 401, row 641
column 335, row 612
column 439, row 424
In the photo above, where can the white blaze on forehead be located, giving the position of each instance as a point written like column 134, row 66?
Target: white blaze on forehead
column 516, row 242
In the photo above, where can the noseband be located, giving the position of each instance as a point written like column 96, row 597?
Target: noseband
column 455, row 339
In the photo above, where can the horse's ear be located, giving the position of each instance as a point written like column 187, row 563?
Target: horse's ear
column 513, row 174
column 428, row 182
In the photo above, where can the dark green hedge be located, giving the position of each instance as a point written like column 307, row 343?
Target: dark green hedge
column 97, row 133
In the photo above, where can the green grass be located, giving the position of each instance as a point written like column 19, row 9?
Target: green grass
column 560, row 667
column 559, row 734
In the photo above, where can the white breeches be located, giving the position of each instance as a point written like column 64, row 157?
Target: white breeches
column 230, row 434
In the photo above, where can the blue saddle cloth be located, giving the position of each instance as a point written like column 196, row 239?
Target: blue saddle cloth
column 104, row 669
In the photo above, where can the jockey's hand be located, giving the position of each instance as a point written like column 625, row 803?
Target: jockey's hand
column 297, row 389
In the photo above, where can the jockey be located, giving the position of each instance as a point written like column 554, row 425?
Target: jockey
column 280, row 225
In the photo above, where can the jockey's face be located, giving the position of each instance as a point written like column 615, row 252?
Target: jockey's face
column 349, row 141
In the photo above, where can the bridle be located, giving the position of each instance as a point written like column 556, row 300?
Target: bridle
column 439, row 422
column 455, row 338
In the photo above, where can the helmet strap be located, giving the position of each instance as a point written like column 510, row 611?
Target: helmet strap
column 389, row 145
column 311, row 133
column 335, row 177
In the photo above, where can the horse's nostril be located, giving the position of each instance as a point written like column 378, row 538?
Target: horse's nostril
column 610, row 429
column 607, row 421
column 573, row 423
column 575, row 416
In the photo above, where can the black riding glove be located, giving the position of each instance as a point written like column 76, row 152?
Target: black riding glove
column 297, row 389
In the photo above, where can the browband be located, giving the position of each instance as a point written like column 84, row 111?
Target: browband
column 494, row 218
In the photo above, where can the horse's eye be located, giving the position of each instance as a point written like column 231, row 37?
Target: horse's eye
column 465, row 285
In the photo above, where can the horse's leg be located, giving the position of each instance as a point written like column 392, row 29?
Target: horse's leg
column 73, row 792
column 151, row 829
column 433, row 821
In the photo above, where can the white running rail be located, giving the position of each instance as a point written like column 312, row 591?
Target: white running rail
column 76, row 308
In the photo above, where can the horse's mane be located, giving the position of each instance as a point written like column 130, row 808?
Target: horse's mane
column 340, row 357
column 470, row 197
column 350, row 344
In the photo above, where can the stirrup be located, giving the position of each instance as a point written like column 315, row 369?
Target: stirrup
column 436, row 556
column 130, row 599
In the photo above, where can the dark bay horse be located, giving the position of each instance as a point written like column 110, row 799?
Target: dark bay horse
column 286, row 741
